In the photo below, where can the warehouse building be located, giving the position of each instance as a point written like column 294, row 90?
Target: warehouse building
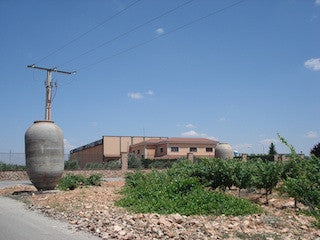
column 105, row 149
column 112, row 147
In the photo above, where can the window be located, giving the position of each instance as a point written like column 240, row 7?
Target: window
column 161, row 150
column 174, row 149
column 193, row 149
column 138, row 151
column 209, row 149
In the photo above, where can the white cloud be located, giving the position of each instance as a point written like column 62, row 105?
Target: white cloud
column 242, row 146
column 149, row 92
column 193, row 133
column 135, row 95
column 159, row 31
column 311, row 134
column 139, row 95
column 67, row 145
column 313, row 63
column 190, row 133
column 268, row 141
column 317, row 2
column 190, row 125
column 223, row 119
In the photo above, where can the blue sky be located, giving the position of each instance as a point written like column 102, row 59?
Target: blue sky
column 239, row 76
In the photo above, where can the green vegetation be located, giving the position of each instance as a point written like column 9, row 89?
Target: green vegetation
column 272, row 149
column 134, row 162
column 164, row 193
column 266, row 175
column 71, row 165
column 107, row 165
column 137, row 163
column 301, row 181
column 316, row 150
column 71, row 181
column 11, row 167
column 158, row 163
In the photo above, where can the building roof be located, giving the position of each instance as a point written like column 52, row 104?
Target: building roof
column 176, row 140
column 190, row 140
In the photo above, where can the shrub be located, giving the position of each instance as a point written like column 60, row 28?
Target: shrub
column 214, row 173
column 94, row 166
column 262, row 157
column 302, row 190
column 158, row 163
column 11, row 167
column 242, row 175
column 71, row 181
column 302, row 179
column 134, row 162
column 162, row 193
column 112, row 165
column 266, row 176
column 94, row 179
column 71, row 165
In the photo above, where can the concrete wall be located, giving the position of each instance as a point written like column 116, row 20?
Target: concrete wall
column 92, row 154
column 155, row 150
column 113, row 146
column 158, row 150
column 184, row 149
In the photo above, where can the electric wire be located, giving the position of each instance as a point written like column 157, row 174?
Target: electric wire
column 55, row 90
column 128, row 32
column 164, row 34
column 88, row 31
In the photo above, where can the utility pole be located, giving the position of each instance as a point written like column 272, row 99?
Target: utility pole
column 49, row 87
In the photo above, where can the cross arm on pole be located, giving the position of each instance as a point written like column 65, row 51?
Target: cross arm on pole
column 50, row 69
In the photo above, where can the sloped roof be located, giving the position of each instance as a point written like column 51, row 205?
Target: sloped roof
column 177, row 140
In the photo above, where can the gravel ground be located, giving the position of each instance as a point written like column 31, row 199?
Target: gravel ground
column 22, row 175
column 92, row 209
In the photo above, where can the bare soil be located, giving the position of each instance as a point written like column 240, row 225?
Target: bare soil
column 22, row 175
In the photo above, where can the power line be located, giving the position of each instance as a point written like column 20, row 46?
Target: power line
column 88, row 31
column 164, row 34
column 128, row 32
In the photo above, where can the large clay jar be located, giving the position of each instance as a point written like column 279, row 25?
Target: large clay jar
column 224, row 151
column 44, row 154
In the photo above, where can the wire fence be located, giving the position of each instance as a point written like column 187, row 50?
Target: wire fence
column 18, row 158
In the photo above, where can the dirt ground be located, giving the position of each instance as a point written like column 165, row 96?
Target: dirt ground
column 92, row 209
column 22, row 175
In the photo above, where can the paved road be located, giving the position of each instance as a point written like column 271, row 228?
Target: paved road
column 18, row 223
column 4, row 184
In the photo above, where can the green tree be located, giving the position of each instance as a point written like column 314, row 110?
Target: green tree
column 272, row 149
column 316, row 150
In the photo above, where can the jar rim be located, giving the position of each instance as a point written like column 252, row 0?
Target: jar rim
column 39, row 121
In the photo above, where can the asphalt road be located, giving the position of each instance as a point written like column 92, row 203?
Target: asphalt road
column 18, row 223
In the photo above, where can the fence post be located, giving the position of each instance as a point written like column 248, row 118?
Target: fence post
column 124, row 161
column 244, row 157
column 190, row 157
